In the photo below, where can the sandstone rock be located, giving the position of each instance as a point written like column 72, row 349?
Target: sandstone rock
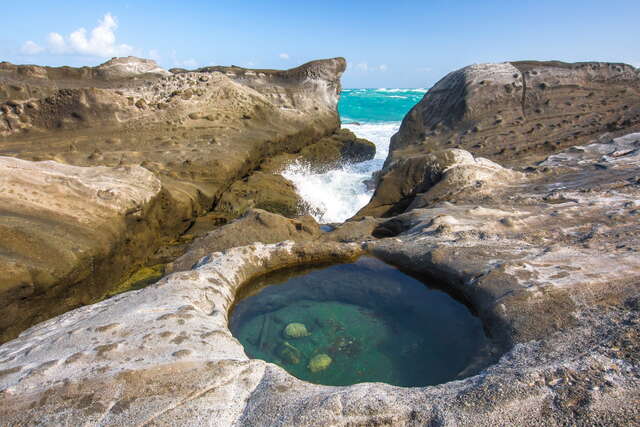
column 518, row 112
column 548, row 259
column 255, row 226
column 560, row 239
column 56, row 221
column 355, row 230
column 422, row 180
column 129, row 112
column 267, row 191
column 327, row 153
column 164, row 354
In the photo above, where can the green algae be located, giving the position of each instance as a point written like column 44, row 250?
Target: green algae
column 141, row 278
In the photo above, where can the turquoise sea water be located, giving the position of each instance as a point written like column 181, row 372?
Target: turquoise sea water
column 366, row 320
column 373, row 114
column 377, row 105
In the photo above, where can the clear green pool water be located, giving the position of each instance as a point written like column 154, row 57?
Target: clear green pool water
column 375, row 324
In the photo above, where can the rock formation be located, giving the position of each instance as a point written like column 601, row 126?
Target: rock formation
column 202, row 134
column 515, row 113
column 546, row 255
column 549, row 261
column 518, row 112
column 255, row 226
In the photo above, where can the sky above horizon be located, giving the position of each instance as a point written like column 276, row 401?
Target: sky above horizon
column 386, row 44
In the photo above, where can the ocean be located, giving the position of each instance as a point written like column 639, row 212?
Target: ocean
column 373, row 114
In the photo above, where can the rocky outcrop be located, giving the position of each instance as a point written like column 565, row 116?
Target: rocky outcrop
column 200, row 133
column 520, row 112
column 421, row 180
column 546, row 256
column 327, row 153
column 255, row 226
column 515, row 113
column 65, row 230
column 549, row 262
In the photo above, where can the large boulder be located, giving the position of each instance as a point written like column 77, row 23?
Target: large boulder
column 421, row 180
column 518, row 112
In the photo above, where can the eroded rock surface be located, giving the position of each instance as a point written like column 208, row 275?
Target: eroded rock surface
column 520, row 112
column 255, row 226
column 421, row 180
column 56, row 220
column 202, row 134
column 549, row 261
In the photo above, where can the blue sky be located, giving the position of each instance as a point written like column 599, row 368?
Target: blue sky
column 387, row 43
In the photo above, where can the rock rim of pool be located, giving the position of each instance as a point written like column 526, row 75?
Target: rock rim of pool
column 165, row 355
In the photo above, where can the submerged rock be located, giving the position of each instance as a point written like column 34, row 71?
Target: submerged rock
column 289, row 354
column 295, row 330
column 319, row 362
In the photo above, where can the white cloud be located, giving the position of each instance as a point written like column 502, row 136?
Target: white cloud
column 101, row 41
column 363, row 66
column 56, row 43
column 383, row 67
column 284, row 56
column 31, row 48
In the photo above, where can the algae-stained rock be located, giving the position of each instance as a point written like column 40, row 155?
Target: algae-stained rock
column 319, row 362
column 295, row 330
column 289, row 353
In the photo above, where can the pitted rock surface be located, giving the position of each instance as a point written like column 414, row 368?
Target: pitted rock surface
column 201, row 133
column 517, row 112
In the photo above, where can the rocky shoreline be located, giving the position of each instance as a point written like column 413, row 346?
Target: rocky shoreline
column 540, row 239
column 206, row 136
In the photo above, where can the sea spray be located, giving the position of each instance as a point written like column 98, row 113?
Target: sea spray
column 373, row 114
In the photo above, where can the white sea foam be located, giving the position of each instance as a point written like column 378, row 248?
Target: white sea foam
column 338, row 194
